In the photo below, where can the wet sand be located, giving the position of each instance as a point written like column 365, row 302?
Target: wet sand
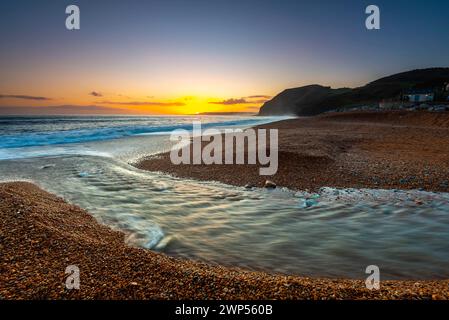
column 41, row 234
column 390, row 150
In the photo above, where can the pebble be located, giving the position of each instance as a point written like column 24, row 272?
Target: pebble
column 270, row 184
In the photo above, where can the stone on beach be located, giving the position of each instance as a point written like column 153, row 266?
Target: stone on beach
column 270, row 184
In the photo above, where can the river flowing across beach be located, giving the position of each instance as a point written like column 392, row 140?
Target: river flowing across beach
column 330, row 233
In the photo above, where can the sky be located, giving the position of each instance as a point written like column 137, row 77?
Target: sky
column 184, row 57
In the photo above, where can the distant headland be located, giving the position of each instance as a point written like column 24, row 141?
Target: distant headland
column 423, row 88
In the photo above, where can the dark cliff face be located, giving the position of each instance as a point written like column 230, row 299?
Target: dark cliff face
column 299, row 100
column 315, row 99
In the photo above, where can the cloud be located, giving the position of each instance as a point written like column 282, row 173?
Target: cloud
column 244, row 100
column 63, row 109
column 258, row 96
column 96, row 94
column 145, row 103
column 24, row 97
column 231, row 101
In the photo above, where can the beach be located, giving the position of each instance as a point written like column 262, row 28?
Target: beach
column 224, row 150
column 41, row 235
column 390, row 150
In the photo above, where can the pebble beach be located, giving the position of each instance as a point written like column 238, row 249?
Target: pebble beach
column 388, row 150
column 41, row 235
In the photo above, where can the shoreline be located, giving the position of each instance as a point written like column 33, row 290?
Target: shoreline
column 42, row 234
column 379, row 150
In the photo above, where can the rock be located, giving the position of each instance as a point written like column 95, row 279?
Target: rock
column 404, row 180
column 419, row 202
column 47, row 166
column 307, row 203
column 249, row 186
column 270, row 184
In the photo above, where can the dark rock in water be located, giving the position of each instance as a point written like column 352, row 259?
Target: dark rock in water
column 47, row 166
column 270, row 184
column 307, row 203
column 249, row 186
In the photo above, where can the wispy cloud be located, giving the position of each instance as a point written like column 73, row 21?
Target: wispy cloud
column 145, row 103
column 63, row 109
column 261, row 96
column 244, row 100
column 229, row 102
column 24, row 97
column 95, row 94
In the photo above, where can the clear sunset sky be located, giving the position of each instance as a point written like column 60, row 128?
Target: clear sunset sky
column 175, row 57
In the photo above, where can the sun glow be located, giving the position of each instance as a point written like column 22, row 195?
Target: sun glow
column 99, row 102
column 182, row 105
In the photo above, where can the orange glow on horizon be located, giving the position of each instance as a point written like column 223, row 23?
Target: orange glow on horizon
column 127, row 104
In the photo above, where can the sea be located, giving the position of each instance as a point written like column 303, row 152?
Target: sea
column 338, row 233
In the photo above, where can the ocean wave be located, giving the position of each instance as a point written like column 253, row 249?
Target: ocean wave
column 20, row 133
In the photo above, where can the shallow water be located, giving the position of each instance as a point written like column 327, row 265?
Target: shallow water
column 334, row 233
column 23, row 137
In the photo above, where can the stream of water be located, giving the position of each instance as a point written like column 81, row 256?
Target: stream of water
column 333, row 233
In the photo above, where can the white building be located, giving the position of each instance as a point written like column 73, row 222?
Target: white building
column 419, row 96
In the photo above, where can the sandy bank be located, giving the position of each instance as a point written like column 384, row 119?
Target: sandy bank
column 391, row 150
